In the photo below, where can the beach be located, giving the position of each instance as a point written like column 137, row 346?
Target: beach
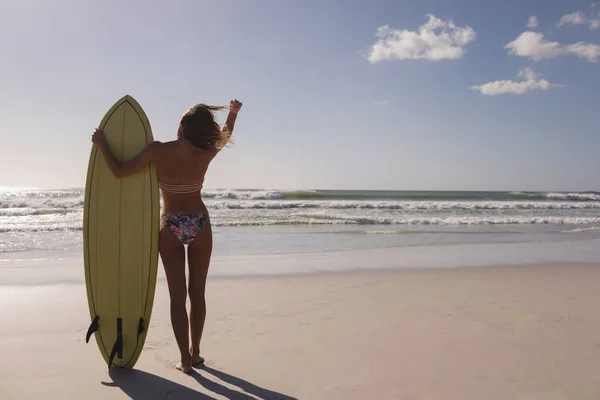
column 512, row 332
column 402, row 200
column 311, row 295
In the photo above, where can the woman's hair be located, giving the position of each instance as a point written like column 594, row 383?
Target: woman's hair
column 199, row 126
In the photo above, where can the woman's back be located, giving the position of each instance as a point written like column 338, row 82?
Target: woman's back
column 181, row 168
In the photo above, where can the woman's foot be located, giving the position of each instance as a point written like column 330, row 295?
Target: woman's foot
column 185, row 365
column 185, row 368
column 196, row 358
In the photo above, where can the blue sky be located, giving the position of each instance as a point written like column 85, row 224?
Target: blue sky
column 323, row 107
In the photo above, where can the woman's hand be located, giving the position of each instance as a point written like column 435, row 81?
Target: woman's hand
column 235, row 106
column 98, row 137
column 124, row 168
column 234, row 109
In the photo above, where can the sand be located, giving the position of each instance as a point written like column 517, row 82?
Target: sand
column 518, row 333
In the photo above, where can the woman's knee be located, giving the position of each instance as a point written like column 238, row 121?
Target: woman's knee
column 177, row 306
column 178, row 299
column 197, row 293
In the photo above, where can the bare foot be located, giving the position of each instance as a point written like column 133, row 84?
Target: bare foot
column 185, row 368
column 197, row 359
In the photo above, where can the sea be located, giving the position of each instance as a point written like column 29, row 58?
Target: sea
column 276, row 231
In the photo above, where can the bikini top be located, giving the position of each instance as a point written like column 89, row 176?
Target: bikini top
column 180, row 188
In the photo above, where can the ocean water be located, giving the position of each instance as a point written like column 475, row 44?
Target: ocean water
column 43, row 227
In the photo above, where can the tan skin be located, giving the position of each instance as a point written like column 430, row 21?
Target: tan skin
column 179, row 162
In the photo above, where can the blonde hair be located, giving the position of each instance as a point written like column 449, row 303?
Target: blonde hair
column 199, row 126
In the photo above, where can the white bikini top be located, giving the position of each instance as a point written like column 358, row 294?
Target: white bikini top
column 180, row 188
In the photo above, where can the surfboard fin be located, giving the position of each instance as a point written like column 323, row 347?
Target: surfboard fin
column 117, row 349
column 93, row 328
column 140, row 329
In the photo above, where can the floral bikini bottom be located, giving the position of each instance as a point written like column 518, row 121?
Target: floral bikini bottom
column 184, row 226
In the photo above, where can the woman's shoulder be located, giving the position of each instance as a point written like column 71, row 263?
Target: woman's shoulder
column 170, row 143
column 162, row 146
column 183, row 147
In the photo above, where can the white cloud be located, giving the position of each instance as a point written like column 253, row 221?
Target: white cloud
column 576, row 18
column 435, row 40
column 579, row 18
column 533, row 22
column 528, row 81
column 380, row 102
column 533, row 45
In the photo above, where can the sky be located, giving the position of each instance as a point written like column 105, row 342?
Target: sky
column 338, row 94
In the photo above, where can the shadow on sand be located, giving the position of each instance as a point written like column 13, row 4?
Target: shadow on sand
column 140, row 385
column 261, row 393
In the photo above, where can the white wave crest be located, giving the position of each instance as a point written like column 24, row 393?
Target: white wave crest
column 401, row 205
column 574, row 196
column 70, row 202
column 243, row 194
column 324, row 219
column 414, row 220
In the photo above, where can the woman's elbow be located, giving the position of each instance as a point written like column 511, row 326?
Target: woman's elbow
column 117, row 173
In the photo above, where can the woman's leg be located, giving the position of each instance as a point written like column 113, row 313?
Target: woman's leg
column 172, row 254
column 199, row 252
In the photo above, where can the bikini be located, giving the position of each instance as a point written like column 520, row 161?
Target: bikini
column 185, row 226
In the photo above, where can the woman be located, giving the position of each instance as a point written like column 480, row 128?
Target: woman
column 181, row 165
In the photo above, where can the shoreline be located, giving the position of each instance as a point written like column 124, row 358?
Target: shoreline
column 482, row 255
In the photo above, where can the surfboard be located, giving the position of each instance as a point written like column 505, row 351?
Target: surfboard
column 120, row 238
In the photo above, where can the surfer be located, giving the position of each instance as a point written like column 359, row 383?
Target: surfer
column 181, row 165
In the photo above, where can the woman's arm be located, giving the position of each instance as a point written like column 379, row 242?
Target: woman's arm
column 122, row 169
column 234, row 109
